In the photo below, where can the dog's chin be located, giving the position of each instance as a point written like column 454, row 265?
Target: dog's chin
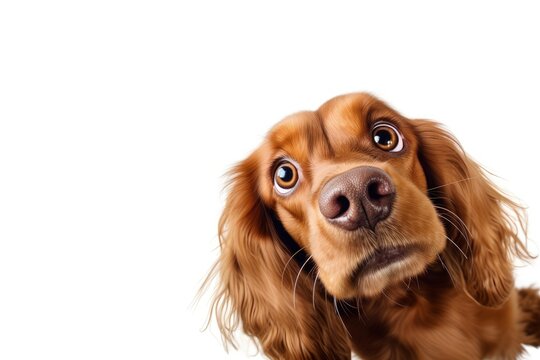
column 381, row 271
column 372, row 282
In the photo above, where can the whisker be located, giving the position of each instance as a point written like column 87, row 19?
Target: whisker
column 346, row 309
column 314, row 284
column 466, row 237
column 392, row 300
column 457, row 247
column 359, row 306
column 339, row 315
column 452, row 183
column 455, row 217
column 442, row 198
column 454, row 225
column 409, row 288
column 296, row 281
column 407, row 284
column 346, row 303
column 325, row 294
column 448, row 271
column 287, row 263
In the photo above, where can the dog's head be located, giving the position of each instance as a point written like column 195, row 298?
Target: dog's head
column 348, row 185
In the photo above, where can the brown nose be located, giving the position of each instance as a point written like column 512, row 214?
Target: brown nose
column 360, row 197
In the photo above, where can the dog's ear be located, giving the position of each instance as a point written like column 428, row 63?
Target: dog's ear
column 482, row 223
column 262, row 288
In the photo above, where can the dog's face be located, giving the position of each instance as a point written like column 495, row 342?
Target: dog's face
column 347, row 185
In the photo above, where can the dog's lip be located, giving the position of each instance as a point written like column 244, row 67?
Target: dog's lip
column 381, row 258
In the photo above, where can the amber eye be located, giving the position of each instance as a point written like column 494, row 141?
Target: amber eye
column 285, row 177
column 387, row 138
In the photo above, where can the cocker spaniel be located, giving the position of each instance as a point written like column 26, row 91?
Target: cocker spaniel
column 355, row 229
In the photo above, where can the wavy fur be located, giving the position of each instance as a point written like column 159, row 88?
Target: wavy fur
column 284, row 272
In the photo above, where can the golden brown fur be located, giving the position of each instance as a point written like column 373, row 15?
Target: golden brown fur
column 287, row 275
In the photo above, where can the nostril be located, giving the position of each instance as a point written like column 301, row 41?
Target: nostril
column 373, row 191
column 343, row 204
column 334, row 206
column 378, row 190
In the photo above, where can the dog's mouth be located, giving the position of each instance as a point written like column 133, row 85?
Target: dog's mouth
column 381, row 259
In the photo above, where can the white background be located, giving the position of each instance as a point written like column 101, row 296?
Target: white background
column 118, row 118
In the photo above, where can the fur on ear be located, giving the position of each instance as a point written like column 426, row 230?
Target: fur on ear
column 482, row 223
column 262, row 288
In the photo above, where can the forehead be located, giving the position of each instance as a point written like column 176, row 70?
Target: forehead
column 336, row 127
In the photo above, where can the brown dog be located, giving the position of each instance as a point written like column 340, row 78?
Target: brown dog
column 353, row 228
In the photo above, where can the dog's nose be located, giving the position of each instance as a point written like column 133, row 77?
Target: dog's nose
column 360, row 197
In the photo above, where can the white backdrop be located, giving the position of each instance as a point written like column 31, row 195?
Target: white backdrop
column 118, row 118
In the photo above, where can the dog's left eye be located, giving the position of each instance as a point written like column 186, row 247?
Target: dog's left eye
column 387, row 137
column 285, row 178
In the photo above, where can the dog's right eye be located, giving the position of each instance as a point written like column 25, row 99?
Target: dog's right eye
column 387, row 137
column 285, row 178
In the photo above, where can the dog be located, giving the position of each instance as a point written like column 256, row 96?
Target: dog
column 353, row 229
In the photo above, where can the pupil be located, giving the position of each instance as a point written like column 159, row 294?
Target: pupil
column 383, row 137
column 285, row 173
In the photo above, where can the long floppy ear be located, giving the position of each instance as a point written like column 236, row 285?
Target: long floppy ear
column 482, row 223
column 262, row 288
